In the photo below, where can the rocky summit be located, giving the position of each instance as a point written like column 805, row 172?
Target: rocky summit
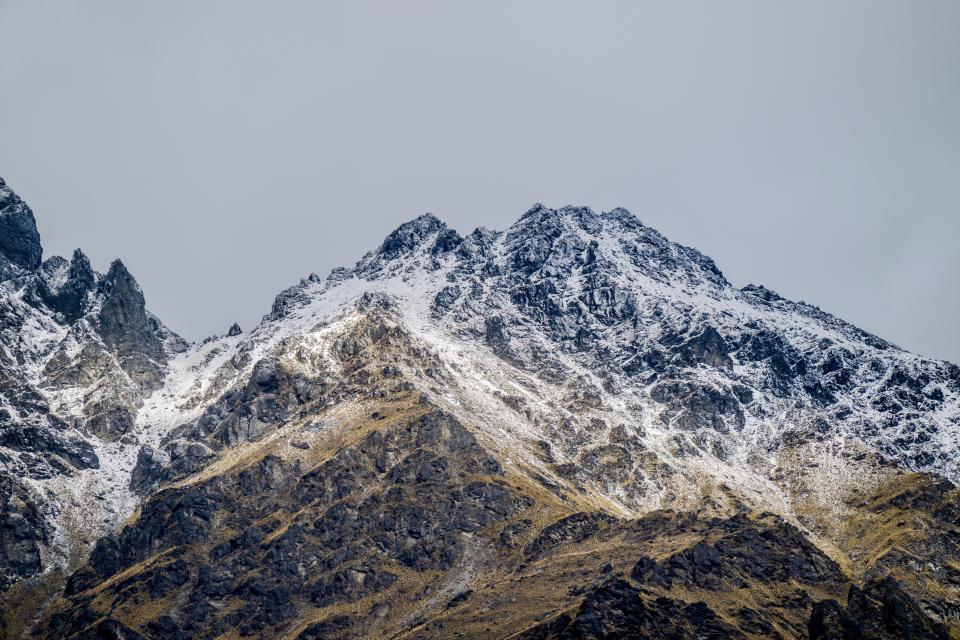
column 573, row 428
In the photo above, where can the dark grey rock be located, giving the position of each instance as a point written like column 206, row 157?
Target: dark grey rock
column 128, row 330
column 71, row 296
column 20, row 248
column 148, row 472
column 615, row 609
column 408, row 236
column 22, row 530
column 572, row 529
column 707, row 348
column 747, row 553
column 881, row 610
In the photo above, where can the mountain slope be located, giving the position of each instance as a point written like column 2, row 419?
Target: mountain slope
column 78, row 353
column 573, row 428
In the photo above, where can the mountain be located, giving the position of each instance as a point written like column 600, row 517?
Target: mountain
column 573, row 428
column 78, row 354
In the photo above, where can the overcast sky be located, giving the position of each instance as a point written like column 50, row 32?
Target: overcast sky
column 223, row 150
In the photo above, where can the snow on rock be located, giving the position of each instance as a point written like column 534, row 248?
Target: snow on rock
column 588, row 349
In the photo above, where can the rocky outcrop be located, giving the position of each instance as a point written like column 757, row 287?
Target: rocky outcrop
column 572, row 529
column 54, row 453
column 616, row 609
column 128, row 330
column 880, row 610
column 22, row 530
column 67, row 287
column 408, row 237
column 740, row 553
column 149, row 470
column 20, row 249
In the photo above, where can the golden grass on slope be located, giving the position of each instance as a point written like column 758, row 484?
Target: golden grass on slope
column 26, row 601
column 506, row 601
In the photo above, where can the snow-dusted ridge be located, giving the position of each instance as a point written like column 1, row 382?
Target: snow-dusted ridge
column 601, row 300
column 584, row 346
column 640, row 291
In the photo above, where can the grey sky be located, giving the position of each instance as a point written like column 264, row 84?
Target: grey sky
column 225, row 149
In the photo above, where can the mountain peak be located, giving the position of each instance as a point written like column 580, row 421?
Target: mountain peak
column 425, row 234
column 410, row 235
column 623, row 216
column 118, row 273
column 553, row 403
column 541, row 212
column 19, row 239
column 65, row 285
column 541, row 220
column 80, row 267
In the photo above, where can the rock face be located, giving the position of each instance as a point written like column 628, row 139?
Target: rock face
column 741, row 554
column 20, row 248
column 573, row 428
column 880, row 610
column 78, row 352
column 128, row 330
column 22, row 530
column 616, row 609
column 68, row 296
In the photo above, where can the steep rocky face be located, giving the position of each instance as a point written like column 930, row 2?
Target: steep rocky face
column 570, row 429
column 133, row 335
column 66, row 288
column 22, row 530
column 20, row 248
column 78, row 351
column 880, row 610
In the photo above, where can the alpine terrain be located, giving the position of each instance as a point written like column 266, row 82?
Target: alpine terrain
column 573, row 428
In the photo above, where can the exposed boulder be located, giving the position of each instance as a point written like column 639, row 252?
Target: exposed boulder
column 572, row 529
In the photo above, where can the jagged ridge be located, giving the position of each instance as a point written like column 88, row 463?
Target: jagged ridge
column 600, row 369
